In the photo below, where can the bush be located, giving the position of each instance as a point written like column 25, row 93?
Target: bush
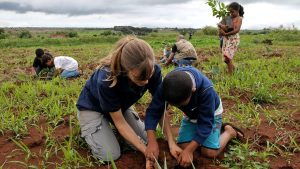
column 72, row 34
column 126, row 30
column 2, row 31
column 209, row 30
column 3, row 35
column 107, row 33
column 25, row 34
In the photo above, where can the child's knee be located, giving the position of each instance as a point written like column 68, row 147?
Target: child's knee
column 104, row 149
column 107, row 155
column 210, row 153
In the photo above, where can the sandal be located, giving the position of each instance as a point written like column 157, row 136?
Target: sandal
column 240, row 137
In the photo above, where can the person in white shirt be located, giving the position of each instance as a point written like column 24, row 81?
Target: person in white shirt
column 66, row 66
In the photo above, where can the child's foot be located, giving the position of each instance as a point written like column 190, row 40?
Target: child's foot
column 234, row 131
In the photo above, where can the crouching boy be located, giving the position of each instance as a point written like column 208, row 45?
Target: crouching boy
column 193, row 93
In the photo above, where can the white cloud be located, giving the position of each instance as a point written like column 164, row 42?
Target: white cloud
column 162, row 13
column 82, row 7
column 262, row 15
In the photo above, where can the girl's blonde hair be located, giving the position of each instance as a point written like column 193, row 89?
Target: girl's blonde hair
column 130, row 53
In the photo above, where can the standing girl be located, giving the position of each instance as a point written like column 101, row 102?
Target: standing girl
column 230, row 33
column 106, row 99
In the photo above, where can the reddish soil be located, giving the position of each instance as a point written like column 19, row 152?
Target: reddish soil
column 36, row 142
column 260, row 135
column 266, row 132
column 244, row 96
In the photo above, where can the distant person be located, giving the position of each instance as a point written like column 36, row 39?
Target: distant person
column 183, row 53
column 230, row 32
column 105, row 102
column 190, row 35
column 66, row 66
column 166, row 53
column 37, row 62
column 37, row 66
column 201, row 125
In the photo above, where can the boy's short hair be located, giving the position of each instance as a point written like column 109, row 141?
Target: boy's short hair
column 177, row 87
column 46, row 57
column 39, row 52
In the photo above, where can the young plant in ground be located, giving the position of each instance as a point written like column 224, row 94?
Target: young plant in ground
column 246, row 114
column 241, row 156
column 24, row 164
column 71, row 157
column 24, row 148
column 51, row 146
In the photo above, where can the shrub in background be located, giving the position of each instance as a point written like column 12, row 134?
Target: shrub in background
column 25, row 34
column 3, row 35
column 72, row 34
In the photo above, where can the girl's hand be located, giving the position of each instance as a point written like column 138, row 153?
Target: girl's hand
column 222, row 32
column 222, row 26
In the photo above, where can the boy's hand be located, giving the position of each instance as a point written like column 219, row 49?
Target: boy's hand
column 152, row 151
column 149, row 164
column 185, row 158
column 175, row 151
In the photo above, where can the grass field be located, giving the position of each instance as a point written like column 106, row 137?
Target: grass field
column 39, row 128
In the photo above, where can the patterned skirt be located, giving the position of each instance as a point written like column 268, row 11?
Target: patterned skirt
column 230, row 45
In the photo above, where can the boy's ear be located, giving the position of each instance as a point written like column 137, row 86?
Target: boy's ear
column 193, row 89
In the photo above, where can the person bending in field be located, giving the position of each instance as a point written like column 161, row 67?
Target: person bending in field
column 66, row 66
column 105, row 102
column 201, row 126
column 183, row 53
column 37, row 65
column 166, row 53
column 229, row 30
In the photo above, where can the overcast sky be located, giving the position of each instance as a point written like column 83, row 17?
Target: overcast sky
column 139, row 13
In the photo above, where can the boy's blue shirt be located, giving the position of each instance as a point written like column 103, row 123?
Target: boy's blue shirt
column 97, row 95
column 202, row 106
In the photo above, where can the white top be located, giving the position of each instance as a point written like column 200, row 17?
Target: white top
column 65, row 63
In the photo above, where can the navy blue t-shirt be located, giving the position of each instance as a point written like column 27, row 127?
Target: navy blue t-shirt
column 202, row 106
column 97, row 95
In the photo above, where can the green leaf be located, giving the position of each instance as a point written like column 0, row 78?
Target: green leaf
column 223, row 5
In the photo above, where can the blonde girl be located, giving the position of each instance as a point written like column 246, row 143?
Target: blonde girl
column 122, row 79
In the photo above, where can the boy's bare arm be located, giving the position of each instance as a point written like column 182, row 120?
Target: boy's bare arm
column 186, row 157
column 152, row 149
column 174, row 149
column 192, row 146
